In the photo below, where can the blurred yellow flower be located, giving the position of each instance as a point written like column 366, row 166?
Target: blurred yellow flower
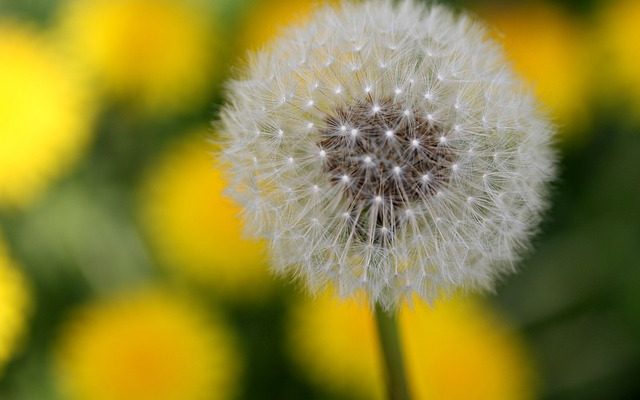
column 194, row 228
column 457, row 350
column 14, row 306
column 265, row 19
column 44, row 115
column 620, row 35
column 146, row 345
column 156, row 54
column 549, row 49
column 462, row 350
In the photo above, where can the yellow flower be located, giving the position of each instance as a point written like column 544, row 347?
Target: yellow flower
column 146, row 345
column 194, row 228
column 461, row 350
column 44, row 115
column 619, row 35
column 547, row 48
column 457, row 350
column 14, row 306
column 158, row 54
column 266, row 19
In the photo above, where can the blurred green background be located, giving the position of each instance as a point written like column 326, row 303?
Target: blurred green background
column 123, row 272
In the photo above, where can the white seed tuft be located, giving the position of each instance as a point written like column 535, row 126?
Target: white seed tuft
column 428, row 160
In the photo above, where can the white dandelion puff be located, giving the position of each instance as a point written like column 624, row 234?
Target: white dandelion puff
column 430, row 159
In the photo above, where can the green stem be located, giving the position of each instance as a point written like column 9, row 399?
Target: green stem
column 392, row 352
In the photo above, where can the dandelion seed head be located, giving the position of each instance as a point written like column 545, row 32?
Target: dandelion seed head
column 405, row 207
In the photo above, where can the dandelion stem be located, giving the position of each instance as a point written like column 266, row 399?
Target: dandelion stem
column 392, row 352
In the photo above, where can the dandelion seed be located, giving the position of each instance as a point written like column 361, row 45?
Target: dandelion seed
column 383, row 153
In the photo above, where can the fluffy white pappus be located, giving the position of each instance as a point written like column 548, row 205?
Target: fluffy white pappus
column 387, row 146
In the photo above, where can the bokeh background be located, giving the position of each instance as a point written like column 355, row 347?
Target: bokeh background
column 124, row 274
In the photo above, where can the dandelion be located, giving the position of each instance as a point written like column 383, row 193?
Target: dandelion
column 146, row 345
column 388, row 148
column 45, row 116
column 553, row 59
column 156, row 55
column 194, row 228
column 14, row 306
column 618, row 35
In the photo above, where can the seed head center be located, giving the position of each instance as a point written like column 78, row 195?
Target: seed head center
column 393, row 159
